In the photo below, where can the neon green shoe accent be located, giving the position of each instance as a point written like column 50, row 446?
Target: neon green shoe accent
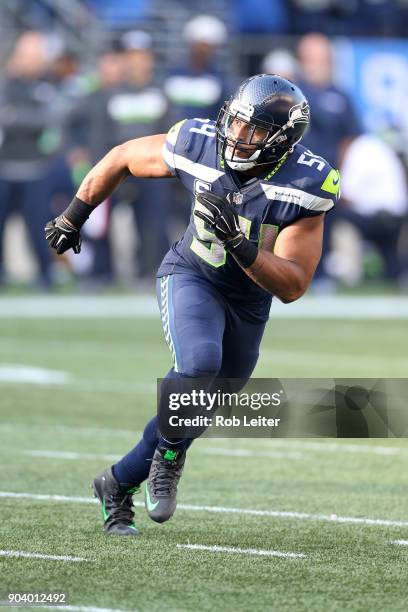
column 133, row 526
column 133, row 490
column 332, row 182
column 105, row 514
column 150, row 505
column 170, row 455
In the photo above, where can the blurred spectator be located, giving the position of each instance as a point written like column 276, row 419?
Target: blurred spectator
column 333, row 120
column 198, row 88
column 30, row 135
column 141, row 110
column 128, row 104
column 92, row 134
column 282, row 62
column 374, row 189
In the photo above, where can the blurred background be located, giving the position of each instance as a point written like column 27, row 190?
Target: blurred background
column 78, row 78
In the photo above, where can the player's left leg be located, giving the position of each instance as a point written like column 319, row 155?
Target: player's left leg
column 193, row 317
column 240, row 347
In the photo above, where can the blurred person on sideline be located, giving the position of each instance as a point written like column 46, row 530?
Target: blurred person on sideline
column 334, row 124
column 92, row 132
column 334, row 120
column 30, row 136
column 280, row 61
column 198, row 87
column 141, row 109
column 375, row 198
column 127, row 104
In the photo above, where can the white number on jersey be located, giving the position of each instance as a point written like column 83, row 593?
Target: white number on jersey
column 206, row 129
column 308, row 159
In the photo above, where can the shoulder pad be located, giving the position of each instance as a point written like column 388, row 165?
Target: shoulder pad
column 185, row 144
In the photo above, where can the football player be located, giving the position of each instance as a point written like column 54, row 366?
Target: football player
column 258, row 204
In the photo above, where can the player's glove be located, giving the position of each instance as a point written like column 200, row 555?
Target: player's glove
column 62, row 233
column 62, row 236
column 223, row 219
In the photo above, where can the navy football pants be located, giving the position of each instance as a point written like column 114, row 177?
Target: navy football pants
column 207, row 339
column 204, row 333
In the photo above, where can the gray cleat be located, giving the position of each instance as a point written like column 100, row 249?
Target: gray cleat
column 116, row 503
column 161, row 486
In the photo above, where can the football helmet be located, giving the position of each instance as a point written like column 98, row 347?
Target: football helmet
column 262, row 121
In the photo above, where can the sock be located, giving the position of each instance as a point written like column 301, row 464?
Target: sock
column 135, row 466
column 180, row 444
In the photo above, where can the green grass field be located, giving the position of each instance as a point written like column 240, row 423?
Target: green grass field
column 56, row 437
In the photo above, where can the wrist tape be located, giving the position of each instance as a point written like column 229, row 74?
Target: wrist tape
column 78, row 212
column 243, row 250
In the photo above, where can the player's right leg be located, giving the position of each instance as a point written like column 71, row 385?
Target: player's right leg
column 193, row 318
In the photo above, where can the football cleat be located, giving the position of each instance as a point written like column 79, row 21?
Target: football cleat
column 161, row 486
column 116, row 503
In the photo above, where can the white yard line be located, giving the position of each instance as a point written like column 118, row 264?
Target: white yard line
column 329, row 447
column 145, row 306
column 302, row 516
column 289, row 444
column 224, row 452
column 242, row 551
column 29, row 555
column 299, row 355
column 45, row 454
column 400, row 542
column 67, row 429
column 70, row 385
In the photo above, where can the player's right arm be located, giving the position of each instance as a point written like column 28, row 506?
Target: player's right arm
column 141, row 157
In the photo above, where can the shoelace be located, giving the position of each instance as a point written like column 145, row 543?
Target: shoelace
column 122, row 510
column 164, row 479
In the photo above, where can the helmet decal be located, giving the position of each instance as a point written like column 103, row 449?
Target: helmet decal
column 300, row 113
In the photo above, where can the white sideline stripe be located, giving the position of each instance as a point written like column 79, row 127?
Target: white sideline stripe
column 334, row 447
column 344, row 359
column 21, row 373
column 330, row 447
column 145, row 306
column 224, row 452
column 28, row 555
column 8, row 378
column 84, row 431
column 242, row 551
column 70, row 455
column 223, row 510
column 400, row 542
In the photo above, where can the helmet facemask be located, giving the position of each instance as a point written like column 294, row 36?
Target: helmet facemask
column 263, row 142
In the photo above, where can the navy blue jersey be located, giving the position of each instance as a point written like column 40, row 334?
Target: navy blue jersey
column 302, row 185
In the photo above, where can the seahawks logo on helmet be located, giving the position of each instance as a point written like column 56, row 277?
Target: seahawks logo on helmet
column 300, row 113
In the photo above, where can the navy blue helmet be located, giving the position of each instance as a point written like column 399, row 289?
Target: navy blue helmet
column 261, row 122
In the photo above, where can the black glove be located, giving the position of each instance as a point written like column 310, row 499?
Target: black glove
column 62, row 236
column 221, row 217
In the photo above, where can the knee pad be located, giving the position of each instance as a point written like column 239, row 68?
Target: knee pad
column 205, row 360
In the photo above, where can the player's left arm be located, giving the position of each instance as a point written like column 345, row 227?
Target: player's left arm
column 288, row 271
